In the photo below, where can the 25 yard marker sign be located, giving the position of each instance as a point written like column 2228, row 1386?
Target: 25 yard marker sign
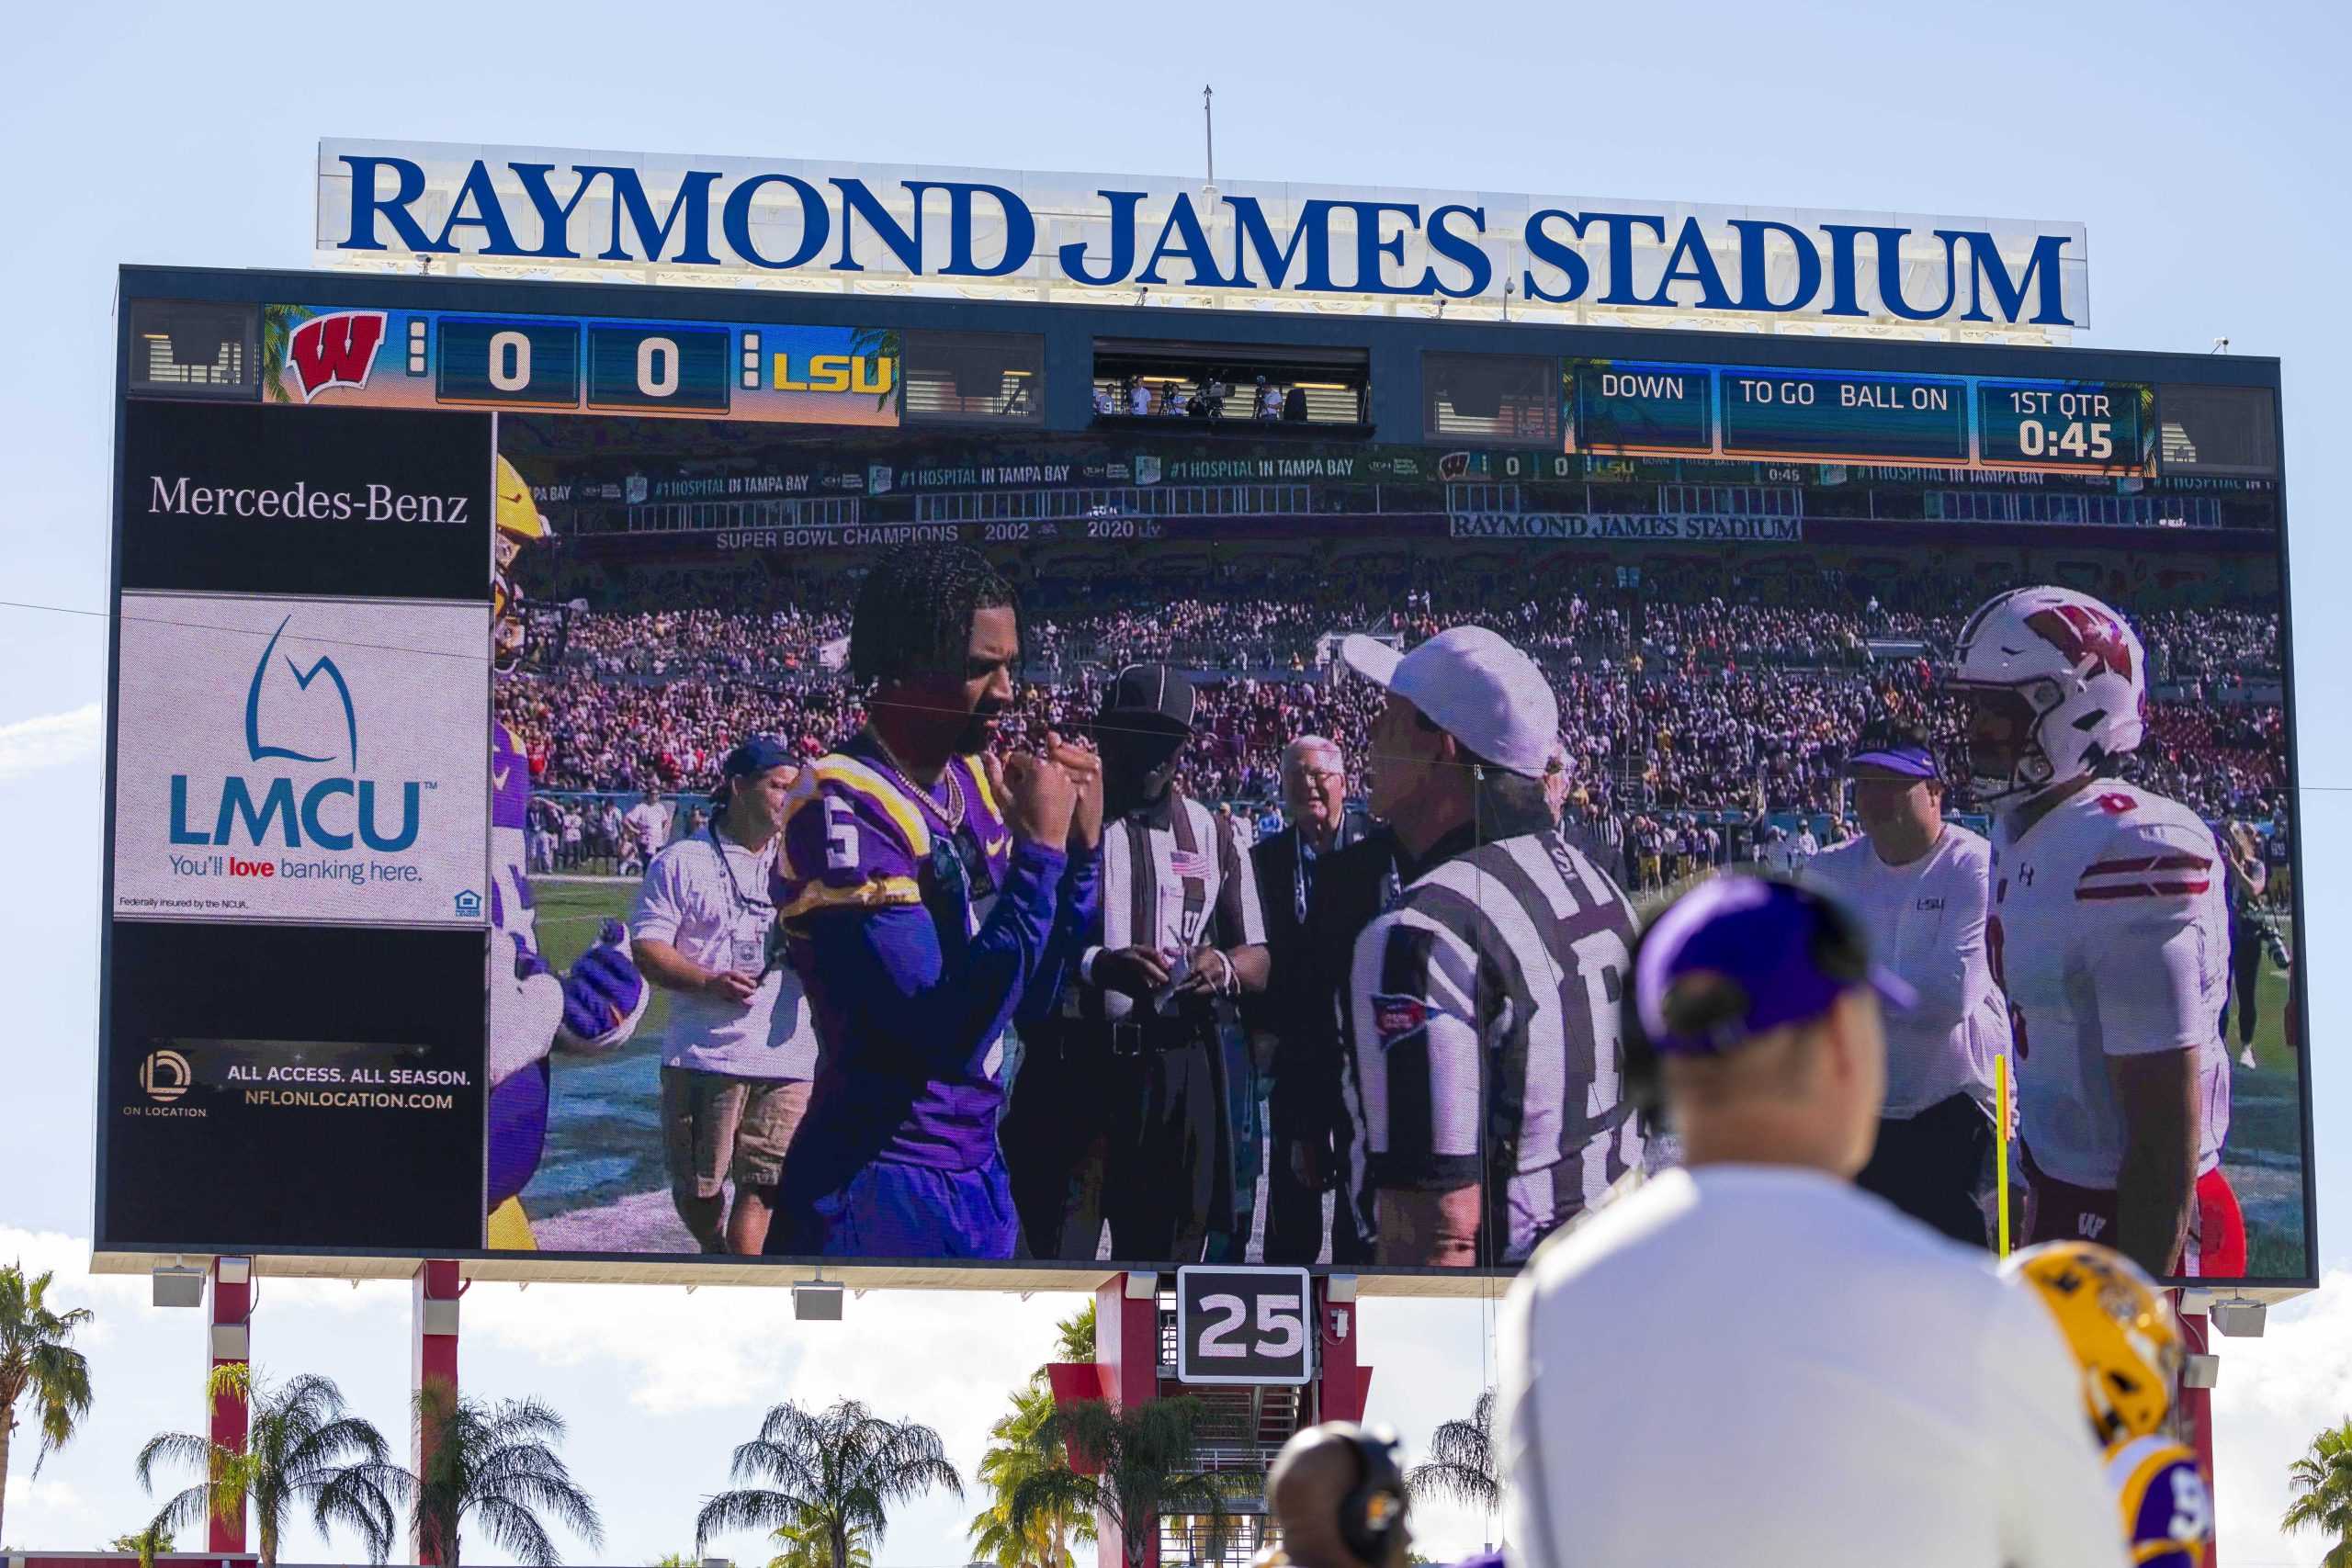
column 1244, row 1325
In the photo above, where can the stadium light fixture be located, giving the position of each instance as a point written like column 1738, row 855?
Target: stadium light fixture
column 2200, row 1370
column 816, row 1301
column 2239, row 1317
column 178, row 1284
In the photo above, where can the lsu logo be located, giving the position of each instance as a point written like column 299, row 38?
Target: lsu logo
column 335, row 351
column 2090, row 1226
column 2080, row 632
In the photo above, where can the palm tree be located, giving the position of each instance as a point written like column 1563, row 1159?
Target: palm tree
column 806, row 1545
column 495, row 1461
column 1015, row 1456
column 147, row 1545
column 1074, row 1336
column 38, row 1359
column 277, row 324
column 2322, row 1480
column 838, row 1471
column 1142, row 1459
column 303, row 1449
column 1461, row 1460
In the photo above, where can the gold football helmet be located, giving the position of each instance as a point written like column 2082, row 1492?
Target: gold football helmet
column 2117, row 1323
column 519, row 524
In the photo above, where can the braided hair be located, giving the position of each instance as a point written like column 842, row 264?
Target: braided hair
column 914, row 612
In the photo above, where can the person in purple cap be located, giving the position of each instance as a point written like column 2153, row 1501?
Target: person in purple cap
column 1922, row 886
column 1747, row 1359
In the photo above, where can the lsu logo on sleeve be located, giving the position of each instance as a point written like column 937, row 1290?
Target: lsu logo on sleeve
column 334, row 350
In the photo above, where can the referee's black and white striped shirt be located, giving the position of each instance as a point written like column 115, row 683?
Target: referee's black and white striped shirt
column 1482, row 1022
column 1173, row 877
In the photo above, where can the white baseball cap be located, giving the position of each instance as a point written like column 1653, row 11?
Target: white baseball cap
column 1474, row 685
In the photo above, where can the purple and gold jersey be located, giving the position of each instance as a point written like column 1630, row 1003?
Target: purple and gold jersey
column 882, row 905
column 864, row 842
column 2167, row 1509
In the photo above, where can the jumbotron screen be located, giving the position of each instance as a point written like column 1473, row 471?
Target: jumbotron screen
column 620, row 780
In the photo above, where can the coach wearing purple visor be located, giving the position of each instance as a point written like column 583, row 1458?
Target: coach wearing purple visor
column 1922, row 886
column 1789, row 1373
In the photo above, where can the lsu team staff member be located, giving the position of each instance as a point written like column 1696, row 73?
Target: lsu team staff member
column 1746, row 1361
column 2109, row 931
column 738, row 1050
column 924, row 890
column 1483, row 1008
column 2128, row 1344
column 1336, row 1498
column 594, row 1008
column 1128, row 1105
column 1921, row 886
column 1306, row 1109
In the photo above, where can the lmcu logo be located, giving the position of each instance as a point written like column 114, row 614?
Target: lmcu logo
column 330, row 812
column 334, row 350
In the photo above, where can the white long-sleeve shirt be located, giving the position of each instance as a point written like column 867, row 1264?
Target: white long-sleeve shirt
column 1765, row 1366
column 1925, row 921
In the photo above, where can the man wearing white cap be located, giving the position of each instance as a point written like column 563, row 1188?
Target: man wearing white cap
column 1482, row 1007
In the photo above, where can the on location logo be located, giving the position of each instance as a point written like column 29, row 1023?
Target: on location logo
column 165, row 1076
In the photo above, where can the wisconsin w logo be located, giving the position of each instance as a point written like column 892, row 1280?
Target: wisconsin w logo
column 335, row 351
column 2078, row 631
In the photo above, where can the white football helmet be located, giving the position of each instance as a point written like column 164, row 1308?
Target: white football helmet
column 2058, row 685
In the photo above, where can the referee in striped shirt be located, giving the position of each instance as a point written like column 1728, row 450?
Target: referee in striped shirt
column 1481, row 1008
column 1132, row 1106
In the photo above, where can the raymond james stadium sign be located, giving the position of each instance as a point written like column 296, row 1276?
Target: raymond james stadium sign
column 1111, row 236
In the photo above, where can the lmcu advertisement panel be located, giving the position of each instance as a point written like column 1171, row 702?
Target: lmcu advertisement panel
column 942, row 836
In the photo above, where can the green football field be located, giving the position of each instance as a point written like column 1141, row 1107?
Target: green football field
column 604, row 1140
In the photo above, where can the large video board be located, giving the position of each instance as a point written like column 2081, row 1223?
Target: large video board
column 436, row 926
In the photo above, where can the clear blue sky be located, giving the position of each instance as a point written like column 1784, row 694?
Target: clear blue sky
column 2204, row 146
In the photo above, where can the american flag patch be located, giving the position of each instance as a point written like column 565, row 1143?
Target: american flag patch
column 1396, row 1017
column 1189, row 863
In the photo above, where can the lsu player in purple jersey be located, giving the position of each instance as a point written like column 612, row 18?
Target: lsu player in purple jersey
column 534, row 1011
column 927, row 896
column 2128, row 1345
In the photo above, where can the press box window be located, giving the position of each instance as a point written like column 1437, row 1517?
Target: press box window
column 1510, row 398
column 186, row 349
column 1265, row 389
column 2218, row 430
column 956, row 377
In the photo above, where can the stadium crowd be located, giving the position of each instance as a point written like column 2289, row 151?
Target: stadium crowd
column 1677, row 699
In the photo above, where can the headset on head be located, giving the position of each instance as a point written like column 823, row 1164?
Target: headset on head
column 1369, row 1515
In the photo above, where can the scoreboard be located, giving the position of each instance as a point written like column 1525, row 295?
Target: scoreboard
column 845, row 376
column 1626, row 409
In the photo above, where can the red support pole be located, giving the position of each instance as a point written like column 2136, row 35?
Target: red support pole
column 1341, row 1381
column 2197, row 1415
column 229, row 1342
column 433, row 1360
column 1126, row 1348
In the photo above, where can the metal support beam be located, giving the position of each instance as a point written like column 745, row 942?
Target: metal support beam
column 432, row 1362
column 229, row 1343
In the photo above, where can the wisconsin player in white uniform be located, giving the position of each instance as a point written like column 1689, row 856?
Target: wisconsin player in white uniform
column 533, row 1010
column 2108, row 933
column 2126, row 1340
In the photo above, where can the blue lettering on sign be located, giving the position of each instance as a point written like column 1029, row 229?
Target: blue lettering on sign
column 252, row 811
column 708, row 221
